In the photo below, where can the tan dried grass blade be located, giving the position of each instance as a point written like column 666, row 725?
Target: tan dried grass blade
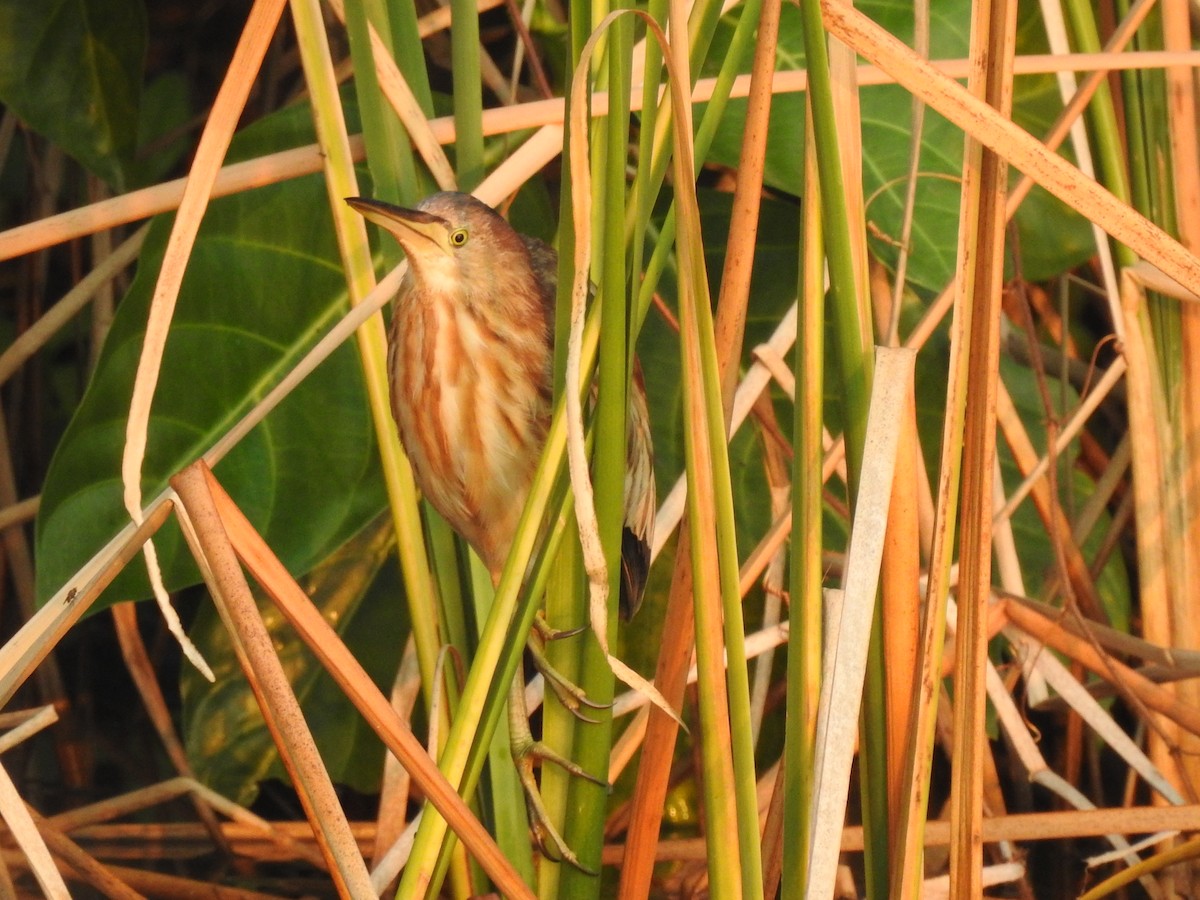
column 214, row 141
column 210, row 544
column 849, row 632
column 359, row 687
column 1013, row 143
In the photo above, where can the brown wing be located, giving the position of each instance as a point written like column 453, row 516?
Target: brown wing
column 640, row 499
column 544, row 259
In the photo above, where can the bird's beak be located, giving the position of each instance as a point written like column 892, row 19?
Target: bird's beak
column 412, row 227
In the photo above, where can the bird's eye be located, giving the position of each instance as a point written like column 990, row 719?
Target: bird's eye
column 458, row 237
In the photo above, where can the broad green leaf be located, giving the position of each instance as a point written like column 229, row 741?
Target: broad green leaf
column 72, row 69
column 162, row 138
column 359, row 593
column 1053, row 239
column 264, row 283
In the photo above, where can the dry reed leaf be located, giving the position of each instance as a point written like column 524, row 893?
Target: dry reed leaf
column 20, row 822
column 1143, row 693
column 359, row 688
column 978, row 290
column 1013, row 143
column 34, row 338
column 1148, row 420
column 160, row 198
column 1014, row 724
column 902, row 605
column 214, row 141
column 24, row 724
column 210, row 544
column 1067, row 433
column 394, row 791
column 848, row 633
column 82, row 866
column 1054, row 518
column 25, row 650
column 85, row 818
column 145, row 679
column 306, row 160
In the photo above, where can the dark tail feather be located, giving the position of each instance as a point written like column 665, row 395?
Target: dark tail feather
column 635, row 567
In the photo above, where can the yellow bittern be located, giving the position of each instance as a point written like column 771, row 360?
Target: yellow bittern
column 469, row 364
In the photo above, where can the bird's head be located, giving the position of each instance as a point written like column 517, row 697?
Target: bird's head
column 454, row 242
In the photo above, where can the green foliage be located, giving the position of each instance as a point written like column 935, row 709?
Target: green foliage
column 263, row 284
column 165, row 109
column 72, row 69
column 1052, row 238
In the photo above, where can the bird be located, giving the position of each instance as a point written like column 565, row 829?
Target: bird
column 470, row 363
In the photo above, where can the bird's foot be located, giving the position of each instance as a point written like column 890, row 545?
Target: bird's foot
column 569, row 694
column 525, row 753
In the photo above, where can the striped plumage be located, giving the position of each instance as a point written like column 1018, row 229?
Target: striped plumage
column 470, row 362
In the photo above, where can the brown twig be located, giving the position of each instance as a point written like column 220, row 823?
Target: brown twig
column 1129, row 682
column 91, row 872
column 359, row 687
column 256, row 653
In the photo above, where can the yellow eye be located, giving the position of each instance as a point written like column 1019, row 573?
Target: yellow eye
column 458, row 237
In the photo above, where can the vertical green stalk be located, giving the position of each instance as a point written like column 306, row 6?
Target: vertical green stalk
column 738, row 678
column 724, row 873
column 468, row 93
column 584, row 828
column 872, row 771
column 1141, row 93
column 696, row 313
column 389, row 154
column 645, row 188
column 740, row 48
column 1149, row 149
column 856, row 362
column 856, row 365
column 566, row 585
column 508, row 805
column 404, row 40
column 563, row 591
column 804, row 638
column 654, row 148
column 710, row 514
column 1102, row 114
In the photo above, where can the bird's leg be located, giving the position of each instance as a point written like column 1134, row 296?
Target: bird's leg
column 525, row 751
column 569, row 694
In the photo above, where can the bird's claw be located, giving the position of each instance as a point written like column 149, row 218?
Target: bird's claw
column 547, row 632
column 569, row 694
column 525, row 750
column 549, row 841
